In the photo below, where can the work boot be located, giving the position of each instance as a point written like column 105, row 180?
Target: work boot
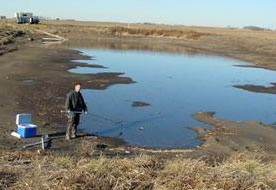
column 74, row 131
column 73, row 136
column 68, row 134
column 67, row 137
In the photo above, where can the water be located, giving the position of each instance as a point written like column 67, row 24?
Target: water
column 176, row 86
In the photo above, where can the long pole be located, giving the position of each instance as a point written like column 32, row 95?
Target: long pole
column 96, row 115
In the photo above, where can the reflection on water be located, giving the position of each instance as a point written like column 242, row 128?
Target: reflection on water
column 176, row 86
column 153, row 45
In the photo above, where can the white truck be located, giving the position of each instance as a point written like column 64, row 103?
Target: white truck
column 22, row 18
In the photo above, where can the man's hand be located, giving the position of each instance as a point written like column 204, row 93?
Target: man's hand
column 85, row 112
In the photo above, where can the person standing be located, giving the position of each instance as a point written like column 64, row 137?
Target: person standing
column 74, row 105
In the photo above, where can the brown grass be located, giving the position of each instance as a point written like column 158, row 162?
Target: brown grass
column 35, row 171
column 234, row 173
column 8, row 35
column 173, row 33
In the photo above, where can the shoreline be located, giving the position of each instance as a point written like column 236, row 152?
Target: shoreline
column 208, row 140
column 41, row 88
column 229, row 137
column 44, row 91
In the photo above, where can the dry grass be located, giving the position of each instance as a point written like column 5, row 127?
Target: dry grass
column 8, row 35
column 112, row 29
column 234, row 173
column 169, row 33
column 34, row 171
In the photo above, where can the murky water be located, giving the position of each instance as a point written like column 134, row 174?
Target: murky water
column 176, row 86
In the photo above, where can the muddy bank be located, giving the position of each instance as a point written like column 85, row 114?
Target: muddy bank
column 35, row 79
column 11, row 37
column 229, row 137
column 259, row 89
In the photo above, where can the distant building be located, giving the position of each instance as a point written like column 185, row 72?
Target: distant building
column 3, row 17
column 22, row 18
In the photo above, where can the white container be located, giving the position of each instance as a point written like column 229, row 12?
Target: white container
column 24, row 126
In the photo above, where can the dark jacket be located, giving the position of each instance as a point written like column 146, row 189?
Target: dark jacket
column 75, row 102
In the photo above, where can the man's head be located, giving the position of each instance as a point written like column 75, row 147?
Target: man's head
column 77, row 87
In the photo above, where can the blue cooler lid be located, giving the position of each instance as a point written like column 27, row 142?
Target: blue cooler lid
column 23, row 118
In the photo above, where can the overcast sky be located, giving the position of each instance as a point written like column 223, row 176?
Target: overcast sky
column 236, row 13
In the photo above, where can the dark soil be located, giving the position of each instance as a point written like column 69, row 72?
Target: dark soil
column 140, row 104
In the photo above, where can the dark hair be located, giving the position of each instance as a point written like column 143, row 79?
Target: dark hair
column 75, row 84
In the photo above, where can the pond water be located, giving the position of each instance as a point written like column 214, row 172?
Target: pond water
column 176, row 86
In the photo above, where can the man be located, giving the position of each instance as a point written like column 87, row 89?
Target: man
column 74, row 105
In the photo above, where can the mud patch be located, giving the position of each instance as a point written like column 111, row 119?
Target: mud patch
column 231, row 136
column 258, row 88
column 140, row 104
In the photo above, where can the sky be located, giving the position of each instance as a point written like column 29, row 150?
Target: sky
column 221, row 13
